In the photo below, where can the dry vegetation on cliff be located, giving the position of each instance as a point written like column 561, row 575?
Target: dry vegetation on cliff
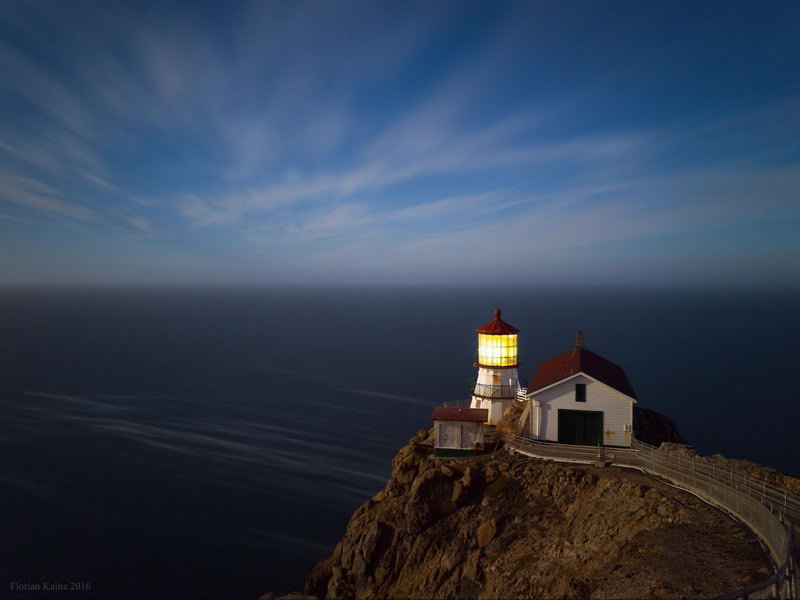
column 514, row 527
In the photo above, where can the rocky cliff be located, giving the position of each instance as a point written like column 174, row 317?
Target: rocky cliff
column 515, row 527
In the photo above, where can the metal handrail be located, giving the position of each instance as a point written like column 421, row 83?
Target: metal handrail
column 781, row 573
column 767, row 510
column 781, row 499
column 459, row 403
column 491, row 390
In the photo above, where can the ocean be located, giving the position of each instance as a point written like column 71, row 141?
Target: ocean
column 213, row 442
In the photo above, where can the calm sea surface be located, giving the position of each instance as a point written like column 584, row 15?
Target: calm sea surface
column 214, row 443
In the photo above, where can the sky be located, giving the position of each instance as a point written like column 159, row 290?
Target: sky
column 437, row 142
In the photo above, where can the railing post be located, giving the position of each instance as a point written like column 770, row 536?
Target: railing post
column 711, row 481
column 724, row 492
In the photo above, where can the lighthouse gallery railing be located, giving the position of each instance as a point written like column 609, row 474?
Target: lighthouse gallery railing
column 769, row 511
column 490, row 390
column 519, row 393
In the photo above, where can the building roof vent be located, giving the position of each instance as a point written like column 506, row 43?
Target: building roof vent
column 579, row 340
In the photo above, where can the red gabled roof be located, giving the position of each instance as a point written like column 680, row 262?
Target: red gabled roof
column 453, row 413
column 498, row 326
column 580, row 360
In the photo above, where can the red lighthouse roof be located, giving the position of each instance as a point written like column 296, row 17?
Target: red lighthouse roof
column 498, row 326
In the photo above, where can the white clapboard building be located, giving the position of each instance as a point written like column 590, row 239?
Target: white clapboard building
column 458, row 431
column 579, row 397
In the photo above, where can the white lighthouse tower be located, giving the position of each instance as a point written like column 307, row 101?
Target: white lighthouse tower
column 496, row 387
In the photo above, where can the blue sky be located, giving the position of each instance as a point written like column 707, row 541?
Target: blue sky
column 552, row 143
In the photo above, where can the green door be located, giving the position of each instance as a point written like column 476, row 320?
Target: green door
column 580, row 427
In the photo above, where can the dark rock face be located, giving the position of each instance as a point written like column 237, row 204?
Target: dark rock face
column 514, row 527
column 651, row 427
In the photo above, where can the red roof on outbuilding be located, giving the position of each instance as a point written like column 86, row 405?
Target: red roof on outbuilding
column 453, row 413
column 580, row 360
column 498, row 326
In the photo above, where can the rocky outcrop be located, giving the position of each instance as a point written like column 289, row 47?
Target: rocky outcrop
column 751, row 469
column 511, row 420
column 515, row 527
column 654, row 428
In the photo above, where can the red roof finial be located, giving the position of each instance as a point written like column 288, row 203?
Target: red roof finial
column 497, row 313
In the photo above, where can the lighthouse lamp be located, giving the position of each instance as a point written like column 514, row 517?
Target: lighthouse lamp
column 497, row 383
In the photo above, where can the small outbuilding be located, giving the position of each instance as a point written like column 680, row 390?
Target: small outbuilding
column 579, row 397
column 458, row 431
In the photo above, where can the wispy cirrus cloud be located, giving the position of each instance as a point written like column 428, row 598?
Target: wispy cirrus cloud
column 417, row 134
column 550, row 230
column 38, row 196
column 408, row 154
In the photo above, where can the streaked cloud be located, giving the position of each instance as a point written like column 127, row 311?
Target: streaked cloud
column 40, row 197
column 352, row 142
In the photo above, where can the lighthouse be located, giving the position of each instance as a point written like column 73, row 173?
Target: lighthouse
column 496, row 386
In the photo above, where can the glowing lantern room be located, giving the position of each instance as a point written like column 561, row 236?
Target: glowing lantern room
column 497, row 344
column 497, row 383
